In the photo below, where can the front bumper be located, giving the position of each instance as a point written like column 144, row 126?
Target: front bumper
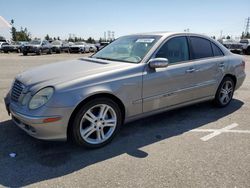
column 31, row 50
column 34, row 124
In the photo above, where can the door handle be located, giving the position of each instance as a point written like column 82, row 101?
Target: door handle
column 190, row 70
column 221, row 65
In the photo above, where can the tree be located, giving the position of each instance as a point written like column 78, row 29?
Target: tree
column 245, row 35
column 58, row 38
column 47, row 37
column 13, row 30
column 228, row 37
column 2, row 38
column 90, row 40
column 23, row 35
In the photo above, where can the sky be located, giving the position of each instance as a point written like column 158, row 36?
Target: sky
column 93, row 17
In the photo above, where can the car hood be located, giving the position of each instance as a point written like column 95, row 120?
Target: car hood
column 31, row 45
column 56, row 45
column 79, row 46
column 68, row 71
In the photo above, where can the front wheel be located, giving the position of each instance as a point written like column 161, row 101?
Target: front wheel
column 49, row 51
column 96, row 123
column 225, row 92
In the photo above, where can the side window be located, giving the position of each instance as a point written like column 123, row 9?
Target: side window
column 201, row 48
column 216, row 50
column 175, row 50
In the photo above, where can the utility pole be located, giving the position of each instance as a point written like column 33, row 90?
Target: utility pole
column 247, row 26
column 221, row 34
column 105, row 39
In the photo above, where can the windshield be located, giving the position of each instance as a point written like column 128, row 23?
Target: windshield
column 130, row 49
column 36, row 42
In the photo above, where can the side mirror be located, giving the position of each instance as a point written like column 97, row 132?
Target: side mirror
column 158, row 63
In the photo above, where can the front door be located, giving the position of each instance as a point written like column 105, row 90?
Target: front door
column 165, row 87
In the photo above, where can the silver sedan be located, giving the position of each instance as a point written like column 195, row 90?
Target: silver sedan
column 135, row 76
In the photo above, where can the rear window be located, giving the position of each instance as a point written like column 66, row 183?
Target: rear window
column 216, row 50
column 201, row 48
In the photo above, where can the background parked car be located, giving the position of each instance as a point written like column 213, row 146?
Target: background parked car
column 13, row 47
column 3, row 44
column 92, row 48
column 103, row 44
column 81, row 47
column 232, row 45
column 38, row 47
column 59, row 46
column 246, row 46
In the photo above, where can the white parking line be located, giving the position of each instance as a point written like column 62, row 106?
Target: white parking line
column 216, row 132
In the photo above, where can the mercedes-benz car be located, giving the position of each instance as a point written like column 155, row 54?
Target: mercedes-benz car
column 38, row 47
column 59, row 46
column 89, row 99
column 13, row 47
column 79, row 47
column 232, row 45
column 246, row 46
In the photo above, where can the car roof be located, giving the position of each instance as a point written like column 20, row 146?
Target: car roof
column 170, row 33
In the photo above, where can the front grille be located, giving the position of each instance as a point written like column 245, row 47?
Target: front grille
column 16, row 90
column 235, row 46
column 74, row 48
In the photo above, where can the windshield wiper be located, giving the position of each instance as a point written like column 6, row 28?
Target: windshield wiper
column 105, row 58
column 109, row 59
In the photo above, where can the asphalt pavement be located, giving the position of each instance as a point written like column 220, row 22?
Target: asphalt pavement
column 195, row 146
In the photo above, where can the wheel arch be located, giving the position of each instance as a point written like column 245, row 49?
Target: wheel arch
column 233, row 77
column 92, row 97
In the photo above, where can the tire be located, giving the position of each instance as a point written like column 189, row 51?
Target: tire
column 39, row 52
column 25, row 53
column 6, row 52
column 49, row 52
column 95, row 130
column 224, row 92
column 248, row 50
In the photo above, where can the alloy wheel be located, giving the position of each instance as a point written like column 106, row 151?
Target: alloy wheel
column 98, row 124
column 226, row 92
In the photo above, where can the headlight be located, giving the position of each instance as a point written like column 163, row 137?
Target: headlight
column 41, row 98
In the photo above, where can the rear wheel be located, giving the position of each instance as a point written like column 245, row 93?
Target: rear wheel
column 225, row 92
column 96, row 123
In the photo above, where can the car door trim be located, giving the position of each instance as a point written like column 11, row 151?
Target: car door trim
column 168, row 94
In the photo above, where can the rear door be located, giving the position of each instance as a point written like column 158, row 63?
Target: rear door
column 165, row 87
column 209, row 62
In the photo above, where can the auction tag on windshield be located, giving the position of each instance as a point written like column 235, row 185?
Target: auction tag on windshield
column 145, row 40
